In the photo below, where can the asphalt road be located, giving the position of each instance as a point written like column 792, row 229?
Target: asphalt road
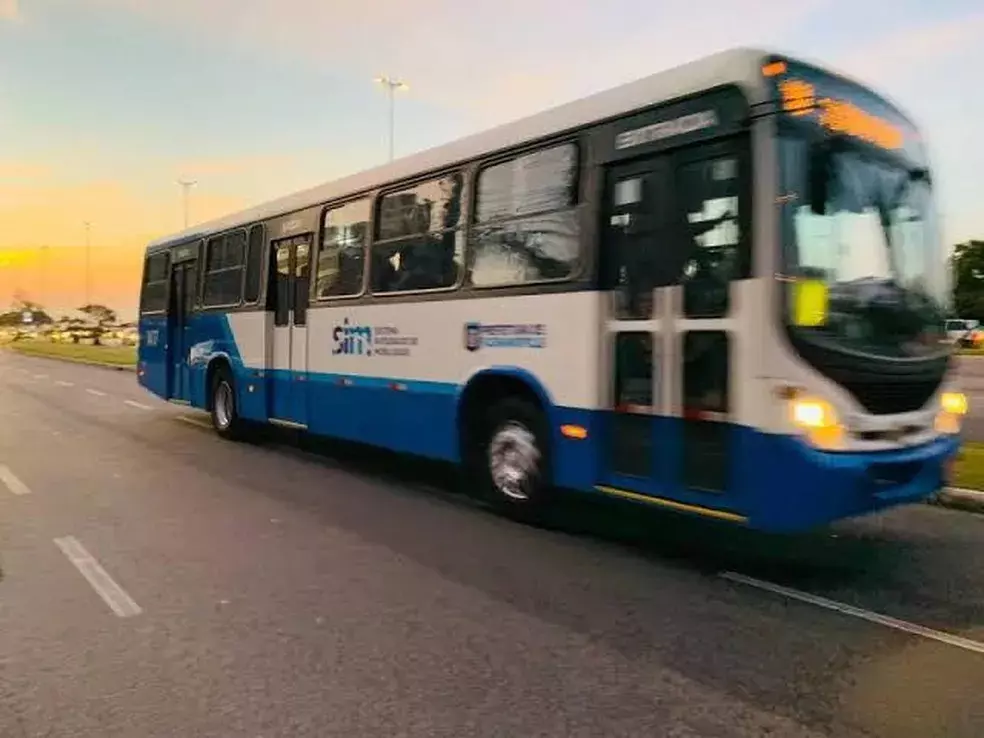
column 158, row 581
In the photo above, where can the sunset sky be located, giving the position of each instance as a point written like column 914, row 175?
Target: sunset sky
column 104, row 104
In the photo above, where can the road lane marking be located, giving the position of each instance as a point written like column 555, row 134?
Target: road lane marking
column 195, row 421
column 857, row 612
column 95, row 392
column 63, row 383
column 11, row 482
column 112, row 594
column 138, row 405
column 40, row 376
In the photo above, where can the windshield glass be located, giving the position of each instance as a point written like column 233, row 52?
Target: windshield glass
column 871, row 260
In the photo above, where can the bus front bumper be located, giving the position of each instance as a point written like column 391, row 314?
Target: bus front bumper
column 796, row 487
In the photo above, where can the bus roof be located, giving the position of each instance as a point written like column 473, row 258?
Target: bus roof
column 740, row 66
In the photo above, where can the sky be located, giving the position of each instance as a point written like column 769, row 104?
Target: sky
column 105, row 104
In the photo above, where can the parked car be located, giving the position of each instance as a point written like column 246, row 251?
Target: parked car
column 964, row 333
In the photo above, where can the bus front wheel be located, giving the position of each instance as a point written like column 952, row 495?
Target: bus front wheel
column 225, row 413
column 514, row 459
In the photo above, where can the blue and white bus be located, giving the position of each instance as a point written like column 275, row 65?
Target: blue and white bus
column 719, row 289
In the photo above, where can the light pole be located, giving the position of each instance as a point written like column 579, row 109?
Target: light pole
column 186, row 185
column 391, row 85
column 88, row 262
column 42, row 273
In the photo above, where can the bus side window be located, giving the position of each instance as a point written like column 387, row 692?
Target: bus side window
column 224, row 257
column 713, row 211
column 153, row 295
column 341, row 258
column 254, row 265
column 526, row 219
column 419, row 244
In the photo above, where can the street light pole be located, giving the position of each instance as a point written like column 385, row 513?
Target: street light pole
column 391, row 85
column 42, row 274
column 186, row 185
column 88, row 263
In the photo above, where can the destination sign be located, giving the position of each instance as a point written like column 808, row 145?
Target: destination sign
column 185, row 253
column 667, row 129
column 839, row 106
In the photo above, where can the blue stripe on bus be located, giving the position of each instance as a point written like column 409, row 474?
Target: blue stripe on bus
column 778, row 482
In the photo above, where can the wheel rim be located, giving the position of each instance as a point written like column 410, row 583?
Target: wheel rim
column 223, row 405
column 514, row 460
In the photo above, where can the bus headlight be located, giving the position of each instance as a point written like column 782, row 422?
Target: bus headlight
column 954, row 402
column 953, row 406
column 817, row 420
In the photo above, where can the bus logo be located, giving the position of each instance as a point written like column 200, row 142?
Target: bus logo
column 352, row 340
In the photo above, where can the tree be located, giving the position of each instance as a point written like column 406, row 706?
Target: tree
column 99, row 313
column 15, row 317
column 967, row 264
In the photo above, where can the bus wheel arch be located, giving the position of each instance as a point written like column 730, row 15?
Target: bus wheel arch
column 499, row 415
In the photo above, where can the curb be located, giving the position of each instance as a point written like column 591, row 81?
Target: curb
column 959, row 498
column 84, row 362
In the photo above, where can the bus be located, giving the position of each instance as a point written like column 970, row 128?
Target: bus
column 719, row 289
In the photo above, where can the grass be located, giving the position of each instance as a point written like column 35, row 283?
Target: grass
column 108, row 355
column 968, row 472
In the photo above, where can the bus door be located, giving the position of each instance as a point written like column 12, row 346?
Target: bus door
column 290, row 283
column 184, row 285
column 669, row 252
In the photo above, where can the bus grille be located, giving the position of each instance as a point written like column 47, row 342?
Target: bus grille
column 889, row 397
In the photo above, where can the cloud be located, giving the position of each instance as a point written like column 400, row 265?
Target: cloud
column 544, row 51
column 916, row 46
column 53, row 214
column 234, row 165
column 9, row 10
column 14, row 171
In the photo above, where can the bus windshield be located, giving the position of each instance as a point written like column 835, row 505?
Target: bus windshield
column 874, row 247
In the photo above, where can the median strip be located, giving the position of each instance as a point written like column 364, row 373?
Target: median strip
column 121, row 358
column 961, row 498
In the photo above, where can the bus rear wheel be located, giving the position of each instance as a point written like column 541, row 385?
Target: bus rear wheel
column 513, row 462
column 225, row 413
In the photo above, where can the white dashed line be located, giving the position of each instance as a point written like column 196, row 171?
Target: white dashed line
column 857, row 612
column 112, row 594
column 63, row 383
column 40, row 376
column 95, row 392
column 194, row 421
column 138, row 405
column 11, row 482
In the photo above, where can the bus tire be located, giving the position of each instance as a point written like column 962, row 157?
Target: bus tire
column 225, row 412
column 513, row 460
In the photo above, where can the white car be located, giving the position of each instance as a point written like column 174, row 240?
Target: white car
column 963, row 332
